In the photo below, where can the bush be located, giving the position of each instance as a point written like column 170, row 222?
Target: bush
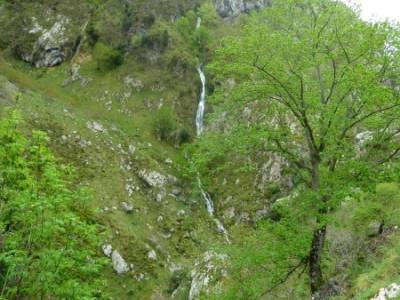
column 183, row 136
column 156, row 39
column 164, row 124
column 380, row 208
column 48, row 250
column 106, row 57
column 93, row 35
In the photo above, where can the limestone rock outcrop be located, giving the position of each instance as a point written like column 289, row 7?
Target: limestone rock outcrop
column 43, row 35
column 119, row 264
column 390, row 292
column 208, row 269
column 233, row 8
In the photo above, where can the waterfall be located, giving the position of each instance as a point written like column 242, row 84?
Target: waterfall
column 207, row 198
column 210, row 208
column 202, row 103
column 198, row 24
column 200, row 127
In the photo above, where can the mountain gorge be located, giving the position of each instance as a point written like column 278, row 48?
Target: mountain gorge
column 134, row 136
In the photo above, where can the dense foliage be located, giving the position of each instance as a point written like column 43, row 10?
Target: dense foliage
column 323, row 84
column 49, row 245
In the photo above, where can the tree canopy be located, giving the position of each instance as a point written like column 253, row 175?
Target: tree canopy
column 328, row 87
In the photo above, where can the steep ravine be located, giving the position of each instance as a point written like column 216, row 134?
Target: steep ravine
column 200, row 127
column 157, row 235
column 134, row 65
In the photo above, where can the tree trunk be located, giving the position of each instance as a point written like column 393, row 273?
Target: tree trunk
column 318, row 240
column 315, row 174
column 315, row 271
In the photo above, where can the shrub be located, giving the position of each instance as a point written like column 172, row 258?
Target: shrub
column 48, row 250
column 381, row 208
column 164, row 124
column 93, row 35
column 156, row 39
column 183, row 136
column 106, row 57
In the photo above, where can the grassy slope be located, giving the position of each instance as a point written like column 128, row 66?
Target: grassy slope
column 64, row 111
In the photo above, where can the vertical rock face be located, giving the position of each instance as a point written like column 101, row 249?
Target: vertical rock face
column 43, row 35
column 48, row 50
column 233, row 8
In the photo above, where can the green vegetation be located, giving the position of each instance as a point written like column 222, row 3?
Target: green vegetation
column 134, row 90
column 300, row 155
column 164, row 123
column 166, row 128
column 320, row 71
column 106, row 57
column 50, row 248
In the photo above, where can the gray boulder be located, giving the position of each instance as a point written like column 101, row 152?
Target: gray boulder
column 153, row 178
column 375, row 228
column 127, row 207
column 119, row 264
column 107, row 250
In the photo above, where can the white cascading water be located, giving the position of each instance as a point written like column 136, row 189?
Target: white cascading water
column 198, row 24
column 200, row 127
column 206, row 197
column 202, row 103
column 210, row 208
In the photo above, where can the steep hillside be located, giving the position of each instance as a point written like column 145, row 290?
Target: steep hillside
column 115, row 85
column 100, row 118
column 117, row 68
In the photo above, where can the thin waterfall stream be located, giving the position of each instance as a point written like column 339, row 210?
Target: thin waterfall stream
column 200, row 127
column 210, row 208
column 202, row 103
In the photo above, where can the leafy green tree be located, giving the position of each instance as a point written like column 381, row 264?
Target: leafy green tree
column 49, row 245
column 329, row 80
column 208, row 14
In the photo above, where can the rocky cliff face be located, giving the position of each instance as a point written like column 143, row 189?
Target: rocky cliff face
column 50, row 45
column 233, row 8
column 42, row 34
column 46, row 34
